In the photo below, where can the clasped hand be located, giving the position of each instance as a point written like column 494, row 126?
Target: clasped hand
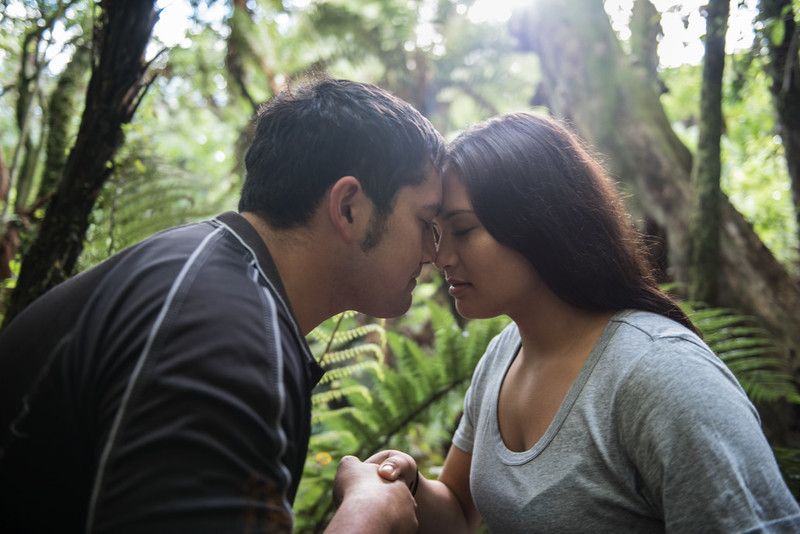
column 377, row 491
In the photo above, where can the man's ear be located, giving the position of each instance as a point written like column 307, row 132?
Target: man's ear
column 349, row 208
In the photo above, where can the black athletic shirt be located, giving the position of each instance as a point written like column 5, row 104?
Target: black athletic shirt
column 165, row 390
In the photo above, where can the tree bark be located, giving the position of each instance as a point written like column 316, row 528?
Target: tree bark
column 5, row 182
column 9, row 242
column 61, row 109
column 784, row 70
column 704, row 221
column 612, row 105
column 645, row 31
column 115, row 90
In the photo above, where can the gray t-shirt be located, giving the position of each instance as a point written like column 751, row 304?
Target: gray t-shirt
column 654, row 435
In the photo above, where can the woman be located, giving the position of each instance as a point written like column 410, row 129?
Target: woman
column 599, row 408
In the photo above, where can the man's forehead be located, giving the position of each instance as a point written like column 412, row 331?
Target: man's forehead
column 427, row 195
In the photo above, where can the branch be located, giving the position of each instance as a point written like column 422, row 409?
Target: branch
column 146, row 86
column 791, row 57
column 477, row 97
column 6, row 88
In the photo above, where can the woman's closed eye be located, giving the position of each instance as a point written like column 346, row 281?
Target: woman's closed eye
column 460, row 232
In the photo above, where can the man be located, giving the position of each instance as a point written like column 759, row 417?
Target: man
column 167, row 389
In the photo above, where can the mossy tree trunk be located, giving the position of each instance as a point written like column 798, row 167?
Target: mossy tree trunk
column 610, row 102
column 645, row 32
column 62, row 107
column 8, row 243
column 61, row 110
column 784, row 70
column 115, row 90
column 704, row 221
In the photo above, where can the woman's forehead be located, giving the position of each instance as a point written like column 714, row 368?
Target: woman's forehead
column 455, row 194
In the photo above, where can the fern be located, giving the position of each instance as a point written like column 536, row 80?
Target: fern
column 143, row 196
column 423, row 389
column 747, row 350
column 345, row 348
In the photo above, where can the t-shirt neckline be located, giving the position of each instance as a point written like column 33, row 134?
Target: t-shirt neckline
column 510, row 457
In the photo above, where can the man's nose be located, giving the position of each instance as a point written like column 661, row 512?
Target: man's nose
column 429, row 249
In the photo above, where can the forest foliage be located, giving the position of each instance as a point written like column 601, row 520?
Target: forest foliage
column 390, row 384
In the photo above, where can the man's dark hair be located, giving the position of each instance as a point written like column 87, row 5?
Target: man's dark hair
column 310, row 136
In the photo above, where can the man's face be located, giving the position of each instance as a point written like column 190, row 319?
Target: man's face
column 386, row 272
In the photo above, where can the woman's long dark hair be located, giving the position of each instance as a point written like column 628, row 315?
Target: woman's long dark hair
column 536, row 189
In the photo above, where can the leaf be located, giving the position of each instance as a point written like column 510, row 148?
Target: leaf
column 777, row 32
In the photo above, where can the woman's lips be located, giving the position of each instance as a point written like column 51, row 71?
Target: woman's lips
column 457, row 287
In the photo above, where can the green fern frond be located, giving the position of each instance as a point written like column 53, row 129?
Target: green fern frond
column 367, row 349
column 747, row 350
column 348, row 336
column 407, row 393
column 349, row 370
column 337, row 394
column 322, row 416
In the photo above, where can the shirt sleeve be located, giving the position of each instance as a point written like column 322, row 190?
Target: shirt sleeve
column 703, row 462
column 465, row 433
column 464, row 436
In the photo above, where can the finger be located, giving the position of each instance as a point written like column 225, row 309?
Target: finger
column 379, row 457
column 344, row 472
column 348, row 461
column 389, row 470
column 346, row 466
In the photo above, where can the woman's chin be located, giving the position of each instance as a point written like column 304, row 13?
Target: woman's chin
column 471, row 311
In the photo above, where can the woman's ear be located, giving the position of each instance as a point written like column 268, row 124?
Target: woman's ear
column 349, row 208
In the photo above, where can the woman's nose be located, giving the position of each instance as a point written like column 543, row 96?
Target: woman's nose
column 442, row 257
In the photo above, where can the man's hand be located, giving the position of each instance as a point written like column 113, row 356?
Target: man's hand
column 393, row 465
column 368, row 503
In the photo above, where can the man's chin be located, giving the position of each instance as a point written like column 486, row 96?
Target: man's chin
column 392, row 309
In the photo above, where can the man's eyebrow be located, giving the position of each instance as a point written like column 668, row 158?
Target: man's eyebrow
column 452, row 213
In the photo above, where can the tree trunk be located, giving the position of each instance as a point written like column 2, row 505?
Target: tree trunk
column 237, row 48
column 9, row 242
column 645, row 32
column 705, row 217
column 115, row 90
column 5, row 182
column 611, row 104
column 61, row 109
column 784, row 70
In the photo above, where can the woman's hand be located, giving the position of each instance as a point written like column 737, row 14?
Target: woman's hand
column 394, row 465
column 443, row 505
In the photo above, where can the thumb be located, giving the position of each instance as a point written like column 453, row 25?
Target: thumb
column 388, row 470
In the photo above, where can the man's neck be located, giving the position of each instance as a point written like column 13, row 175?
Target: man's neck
column 299, row 259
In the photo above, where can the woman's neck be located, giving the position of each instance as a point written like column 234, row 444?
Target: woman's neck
column 555, row 329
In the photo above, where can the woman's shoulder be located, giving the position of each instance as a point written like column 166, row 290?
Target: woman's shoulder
column 662, row 359
column 652, row 341
column 503, row 345
column 500, row 349
column 654, row 326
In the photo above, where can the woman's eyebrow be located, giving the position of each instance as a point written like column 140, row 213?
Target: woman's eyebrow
column 452, row 213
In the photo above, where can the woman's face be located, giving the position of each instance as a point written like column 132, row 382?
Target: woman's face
column 485, row 277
